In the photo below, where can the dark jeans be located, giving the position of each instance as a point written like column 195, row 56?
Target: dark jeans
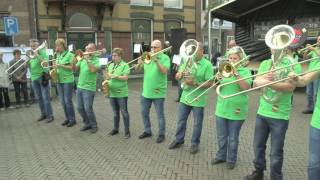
column 84, row 102
column 145, row 112
column 314, row 154
column 183, row 114
column 277, row 128
column 311, row 90
column 228, row 139
column 120, row 104
column 43, row 95
column 65, row 95
column 18, row 87
column 4, row 94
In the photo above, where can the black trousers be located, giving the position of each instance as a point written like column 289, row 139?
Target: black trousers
column 4, row 94
column 18, row 88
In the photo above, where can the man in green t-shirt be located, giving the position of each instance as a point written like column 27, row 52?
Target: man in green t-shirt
column 154, row 89
column 200, row 72
column 40, row 83
column 86, row 88
column 314, row 132
column 272, row 116
column 312, row 87
column 117, row 73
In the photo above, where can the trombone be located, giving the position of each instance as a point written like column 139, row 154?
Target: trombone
column 13, row 65
column 303, row 50
column 265, row 85
column 33, row 53
column 226, row 70
column 84, row 55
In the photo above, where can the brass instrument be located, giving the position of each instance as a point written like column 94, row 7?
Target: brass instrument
column 306, row 49
column 85, row 55
column 226, row 70
column 33, row 53
column 188, row 50
column 9, row 72
column 277, row 38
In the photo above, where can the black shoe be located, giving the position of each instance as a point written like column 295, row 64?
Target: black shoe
column 217, row 161
column 144, row 135
column 231, row 165
column 113, row 132
column 65, row 123
column 127, row 135
column 50, row 119
column 175, row 145
column 84, row 128
column 256, row 175
column 94, row 130
column 194, row 149
column 160, row 139
column 307, row 111
column 41, row 118
column 72, row 123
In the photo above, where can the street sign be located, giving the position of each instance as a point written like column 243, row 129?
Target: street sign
column 11, row 26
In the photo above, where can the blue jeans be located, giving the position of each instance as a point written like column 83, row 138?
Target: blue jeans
column 43, row 95
column 65, row 95
column 228, row 138
column 145, row 112
column 311, row 90
column 84, row 102
column 120, row 104
column 183, row 113
column 277, row 128
column 314, row 154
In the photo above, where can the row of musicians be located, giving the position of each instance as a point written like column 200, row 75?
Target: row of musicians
column 272, row 118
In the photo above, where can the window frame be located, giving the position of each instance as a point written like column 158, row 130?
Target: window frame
column 164, row 25
column 137, row 4
column 180, row 4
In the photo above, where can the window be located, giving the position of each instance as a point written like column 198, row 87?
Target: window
column 141, row 33
column 80, row 20
column 173, row 4
column 5, row 41
column 204, row 4
column 141, row 2
column 168, row 25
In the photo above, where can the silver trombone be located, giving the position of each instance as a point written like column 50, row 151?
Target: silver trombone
column 225, row 70
column 9, row 72
column 300, row 51
column 265, row 85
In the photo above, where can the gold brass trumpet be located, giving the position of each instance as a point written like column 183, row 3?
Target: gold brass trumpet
column 84, row 55
column 268, row 84
column 226, row 70
column 45, row 64
column 303, row 50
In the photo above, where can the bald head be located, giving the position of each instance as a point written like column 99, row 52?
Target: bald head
column 232, row 43
column 156, row 45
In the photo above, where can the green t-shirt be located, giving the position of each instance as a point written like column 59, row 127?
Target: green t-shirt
column 313, row 62
column 281, row 109
column 155, row 82
column 118, row 88
column 36, row 69
column 315, row 121
column 202, row 72
column 65, row 75
column 87, row 80
column 234, row 108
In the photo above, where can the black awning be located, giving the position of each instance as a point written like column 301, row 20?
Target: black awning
column 233, row 10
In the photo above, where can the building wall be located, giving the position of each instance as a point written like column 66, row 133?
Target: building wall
column 19, row 9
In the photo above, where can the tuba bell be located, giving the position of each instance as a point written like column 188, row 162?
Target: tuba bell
column 277, row 39
column 188, row 50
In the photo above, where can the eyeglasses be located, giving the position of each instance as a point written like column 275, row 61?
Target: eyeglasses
column 154, row 47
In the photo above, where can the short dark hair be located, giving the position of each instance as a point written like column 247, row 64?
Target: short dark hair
column 16, row 51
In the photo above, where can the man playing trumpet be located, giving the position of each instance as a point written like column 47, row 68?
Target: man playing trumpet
column 154, row 89
column 86, row 89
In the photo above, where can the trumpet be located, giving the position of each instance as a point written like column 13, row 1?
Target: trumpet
column 225, row 70
column 306, row 49
column 46, row 64
column 268, row 84
column 84, row 55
